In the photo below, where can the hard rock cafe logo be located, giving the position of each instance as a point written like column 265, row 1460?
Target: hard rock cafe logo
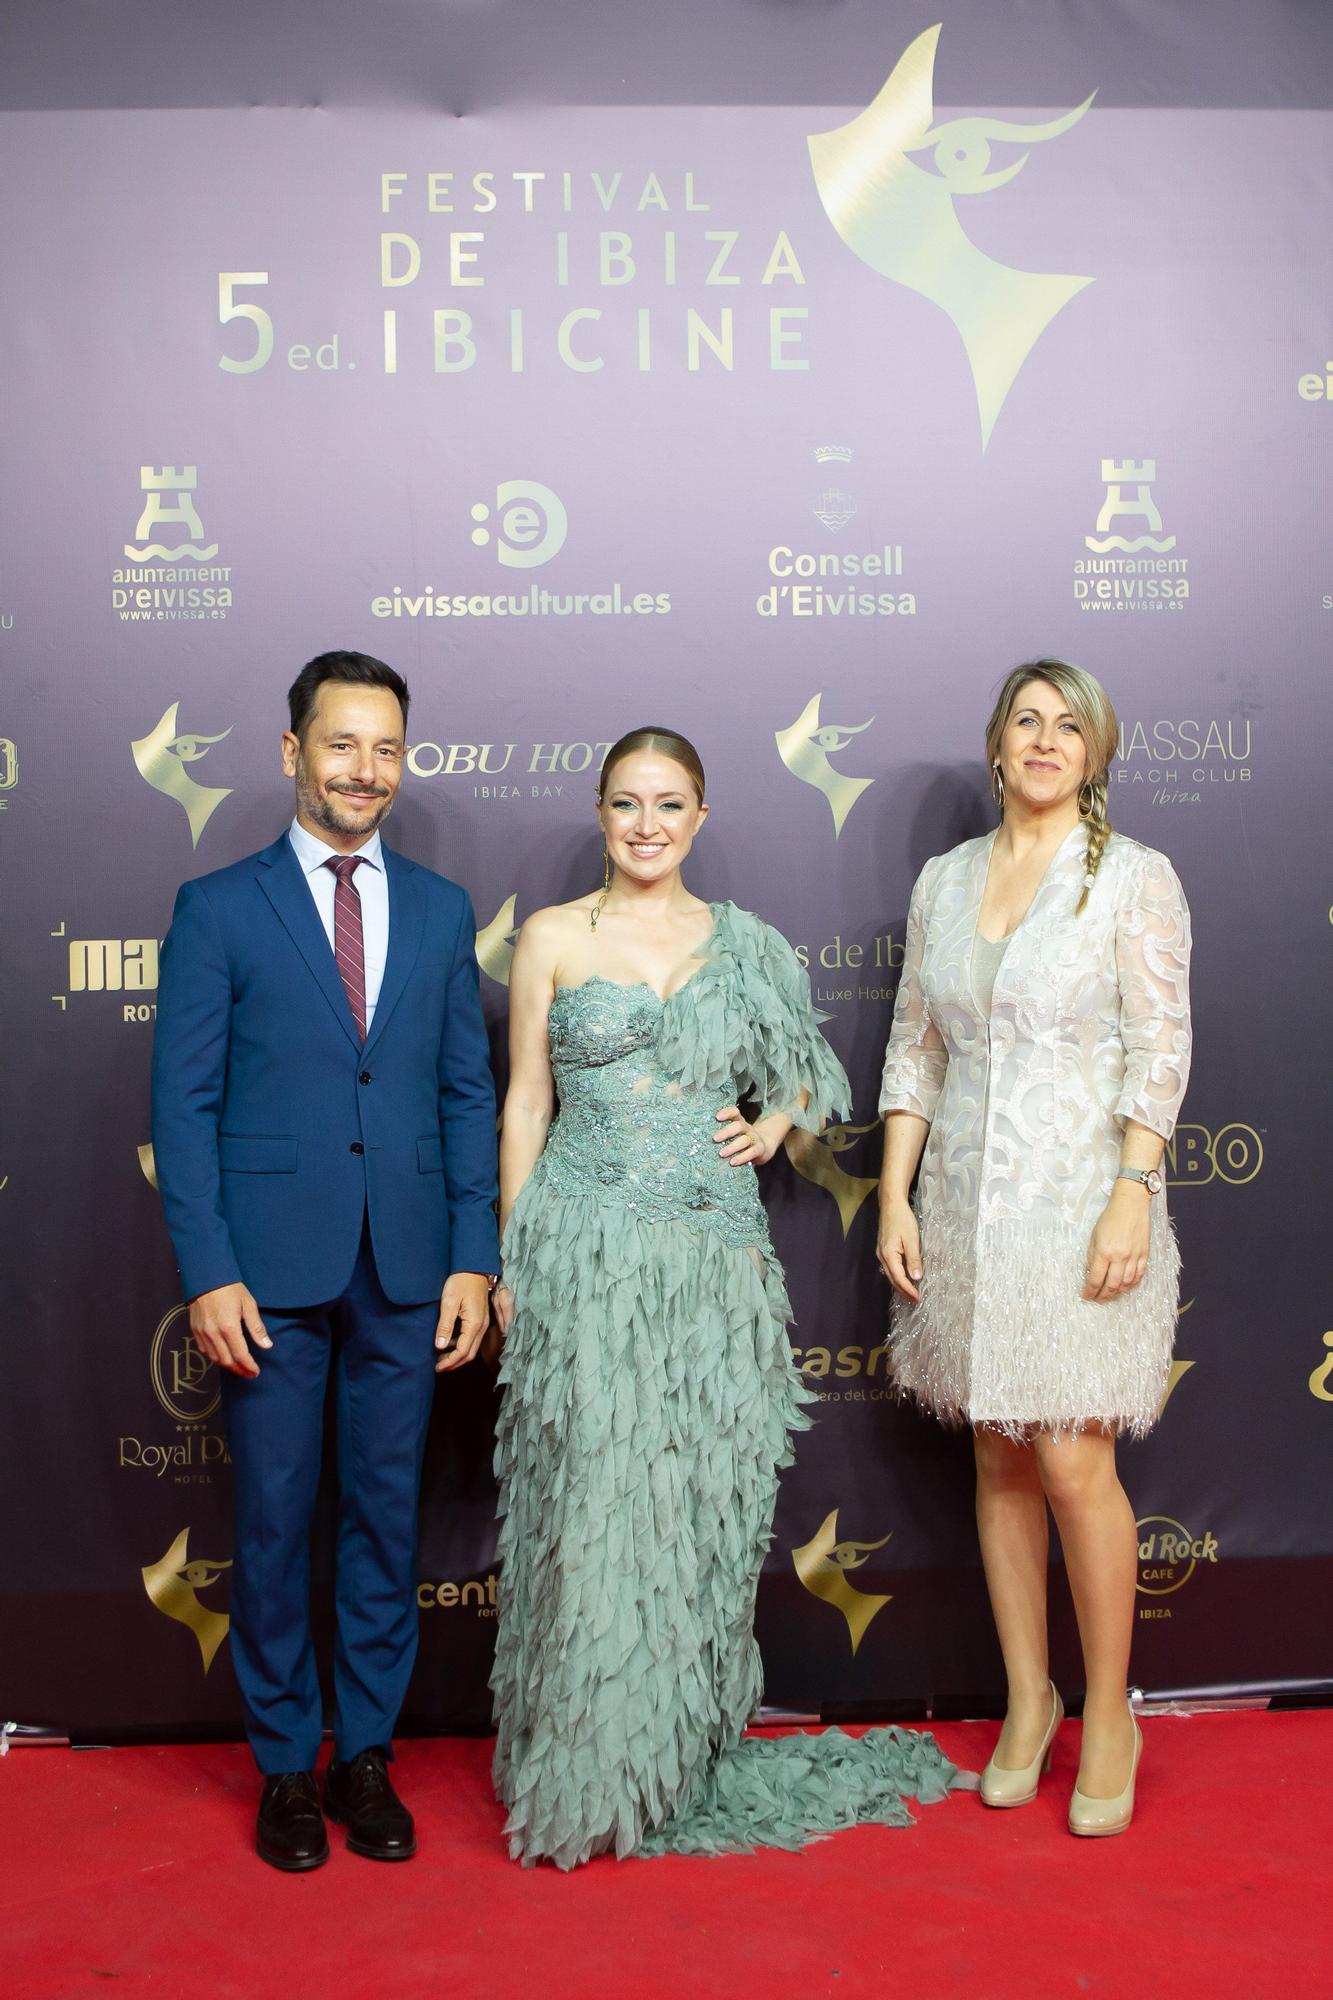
column 185, row 1384
column 816, row 1159
column 162, row 756
column 823, row 1564
column 1169, row 1554
column 174, row 577
column 495, row 943
column 9, row 768
column 1137, row 571
column 806, row 746
column 899, row 217
column 173, row 1584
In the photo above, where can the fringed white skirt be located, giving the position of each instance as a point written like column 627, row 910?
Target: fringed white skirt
column 1004, row 1338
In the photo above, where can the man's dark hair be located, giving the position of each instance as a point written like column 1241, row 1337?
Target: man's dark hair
column 357, row 669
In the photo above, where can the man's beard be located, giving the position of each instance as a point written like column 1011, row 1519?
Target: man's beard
column 323, row 811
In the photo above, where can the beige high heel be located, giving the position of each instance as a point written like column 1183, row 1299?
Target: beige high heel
column 1000, row 1787
column 1098, row 1817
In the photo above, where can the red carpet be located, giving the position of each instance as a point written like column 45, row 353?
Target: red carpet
column 130, row 1871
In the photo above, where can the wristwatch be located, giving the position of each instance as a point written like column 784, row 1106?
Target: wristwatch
column 1148, row 1176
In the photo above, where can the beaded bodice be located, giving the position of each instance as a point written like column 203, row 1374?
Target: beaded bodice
column 629, row 1132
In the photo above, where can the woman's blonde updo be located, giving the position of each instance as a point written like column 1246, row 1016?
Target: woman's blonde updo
column 1090, row 706
column 667, row 743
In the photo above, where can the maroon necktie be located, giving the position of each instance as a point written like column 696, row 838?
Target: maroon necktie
column 348, row 944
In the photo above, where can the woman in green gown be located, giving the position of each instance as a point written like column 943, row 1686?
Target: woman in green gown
column 650, row 1393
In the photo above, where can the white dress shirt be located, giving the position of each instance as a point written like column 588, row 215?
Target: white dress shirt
column 371, row 884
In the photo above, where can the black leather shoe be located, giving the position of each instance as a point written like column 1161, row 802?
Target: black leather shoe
column 358, row 1795
column 290, row 1831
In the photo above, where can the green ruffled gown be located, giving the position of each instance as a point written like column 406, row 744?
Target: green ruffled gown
column 649, row 1400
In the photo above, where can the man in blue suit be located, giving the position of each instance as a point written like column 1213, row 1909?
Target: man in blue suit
column 324, row 1135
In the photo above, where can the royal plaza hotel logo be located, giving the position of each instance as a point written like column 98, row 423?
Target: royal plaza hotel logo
column 1129, row 562
column 1187, row 761
column 172, row 575
column 187, row 1392
column 523, row 526
column 834, row 583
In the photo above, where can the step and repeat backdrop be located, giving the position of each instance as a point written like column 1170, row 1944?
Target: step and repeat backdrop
column 792, row 427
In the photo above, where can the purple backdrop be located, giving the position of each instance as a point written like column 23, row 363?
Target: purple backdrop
column 586, row 415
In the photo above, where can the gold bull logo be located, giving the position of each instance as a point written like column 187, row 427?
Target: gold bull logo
column 172, row 1583
column 805, row 747
column 495, row 944
column 822, row 1565
column 899, row 218
column 816, row 1160
column 162, row 756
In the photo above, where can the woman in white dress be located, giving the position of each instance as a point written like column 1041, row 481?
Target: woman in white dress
column 1039, row 1055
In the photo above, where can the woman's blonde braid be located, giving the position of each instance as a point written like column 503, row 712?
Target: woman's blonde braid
column 1099, row 832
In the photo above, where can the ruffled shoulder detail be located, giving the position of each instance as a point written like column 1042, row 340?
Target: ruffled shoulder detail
column 747, row 1017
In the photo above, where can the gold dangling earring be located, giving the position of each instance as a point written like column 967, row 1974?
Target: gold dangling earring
column 997, row 785
column 1085, row 811
column 600, row 904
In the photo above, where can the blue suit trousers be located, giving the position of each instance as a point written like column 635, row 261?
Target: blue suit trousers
column 382, row 1359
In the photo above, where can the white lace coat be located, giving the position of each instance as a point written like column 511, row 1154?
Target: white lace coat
column 1089, row 1026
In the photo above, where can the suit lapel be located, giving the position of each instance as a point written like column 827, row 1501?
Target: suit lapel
column 407, row 921
column 281, row 879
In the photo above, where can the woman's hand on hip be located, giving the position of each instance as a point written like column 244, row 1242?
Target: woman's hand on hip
column 898, row 1249
column 1118, row 1252
column 740, row 1143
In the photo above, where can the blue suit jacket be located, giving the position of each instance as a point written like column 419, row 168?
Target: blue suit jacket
column 275, row 1132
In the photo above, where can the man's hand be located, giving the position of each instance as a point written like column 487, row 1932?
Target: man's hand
column 220, row 1321
column 465, row 1309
